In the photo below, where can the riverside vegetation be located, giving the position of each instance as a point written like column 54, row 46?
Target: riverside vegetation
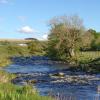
column 68, row 40
column 8, row 91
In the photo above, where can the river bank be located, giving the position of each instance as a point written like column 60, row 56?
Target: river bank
column 51, row 79
column 9, row 91
column 89, row 67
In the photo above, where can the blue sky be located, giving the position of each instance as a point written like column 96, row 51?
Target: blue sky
column 28, row 18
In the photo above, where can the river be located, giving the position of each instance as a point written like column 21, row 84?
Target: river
column 54, row 79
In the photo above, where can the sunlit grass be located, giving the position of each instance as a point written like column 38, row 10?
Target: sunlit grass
column 8, row 91
column 11, row 92
column 5, row 77
column 88, row 56
column 4, row 61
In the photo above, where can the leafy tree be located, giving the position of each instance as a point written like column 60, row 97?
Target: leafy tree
column 65, row 36
column 91, row 40
column 87, row 39
column 95, row 45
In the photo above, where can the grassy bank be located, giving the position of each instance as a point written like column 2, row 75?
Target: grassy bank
column 8, row 91
column 88, row 56
column 88, row 61
column 4, row 61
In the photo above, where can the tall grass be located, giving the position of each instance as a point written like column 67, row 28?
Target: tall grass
column 4, row 61
column 6, row 77
column 12, row 92
column 88, row 56
column 8, row 91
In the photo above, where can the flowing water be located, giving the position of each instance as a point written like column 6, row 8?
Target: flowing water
column 43, row 74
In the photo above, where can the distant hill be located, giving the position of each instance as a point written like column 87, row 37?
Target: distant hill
column 12, row 39
column 18, row 41
column 30, row 39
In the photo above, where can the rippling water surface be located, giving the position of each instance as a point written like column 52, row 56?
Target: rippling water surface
column 57, row 87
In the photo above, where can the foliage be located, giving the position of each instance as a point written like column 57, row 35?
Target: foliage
column 87, row 39
column 91, row 40
column 65, row 36
column 36, row 47
column 95, row 45
column 87, row 56
column 87, row 61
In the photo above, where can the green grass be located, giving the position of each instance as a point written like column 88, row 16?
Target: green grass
column 13, row 50
column 4, row 61
column 88, row 56
column 12, row 92
column 5, row 77
column 88, row 61
column 8, row 91
column 7, row 51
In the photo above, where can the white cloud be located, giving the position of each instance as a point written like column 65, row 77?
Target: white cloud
column 26, row 29
column 3, row 1
column 45, row 37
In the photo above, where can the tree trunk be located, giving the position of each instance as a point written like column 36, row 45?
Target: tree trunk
column 71, row 52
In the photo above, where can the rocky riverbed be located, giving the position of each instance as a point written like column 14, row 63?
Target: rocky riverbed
column 52, row 78
column 59, row 77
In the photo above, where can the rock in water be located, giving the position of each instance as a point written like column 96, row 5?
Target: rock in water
column 57, row 75
column 60, row 74
column 32, row 81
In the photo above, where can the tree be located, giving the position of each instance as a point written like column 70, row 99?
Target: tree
column 88, row 39
column 95, row 45
column 65, row 36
